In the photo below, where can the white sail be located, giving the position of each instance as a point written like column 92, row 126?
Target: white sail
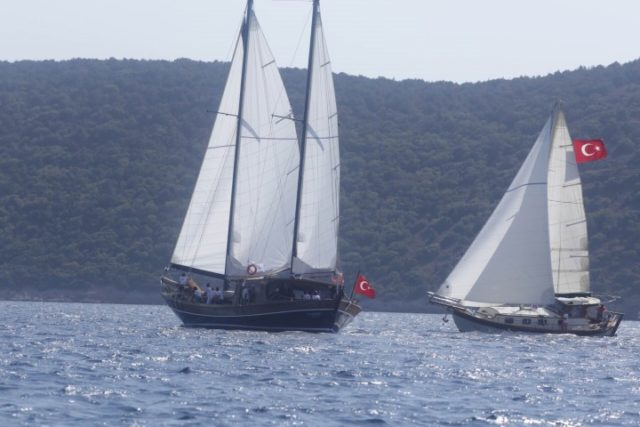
column 567, row 221
column 267, row 169
column 509, row 260
column 202, row 243
column 317, row 235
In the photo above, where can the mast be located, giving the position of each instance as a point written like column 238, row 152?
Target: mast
column 303, row 142
column 245, row 54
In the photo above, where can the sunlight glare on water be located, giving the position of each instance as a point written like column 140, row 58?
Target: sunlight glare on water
column 66, row 364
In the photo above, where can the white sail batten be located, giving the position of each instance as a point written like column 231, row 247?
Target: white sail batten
column 567, row 219
column 318, row 222
column 508, row 262
column 202, row 243
column 266, row 180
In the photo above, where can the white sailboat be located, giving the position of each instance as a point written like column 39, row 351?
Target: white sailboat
column 263, row 218
column 528, row 268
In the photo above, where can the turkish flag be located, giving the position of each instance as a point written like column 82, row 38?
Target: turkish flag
column 363, row 287
column 588, row 150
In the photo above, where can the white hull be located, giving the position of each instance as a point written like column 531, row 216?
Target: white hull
column 470, row 321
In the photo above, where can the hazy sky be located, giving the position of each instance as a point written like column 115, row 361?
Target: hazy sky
column 456, row 40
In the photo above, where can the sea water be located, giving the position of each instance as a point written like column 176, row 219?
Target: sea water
column 97, row 364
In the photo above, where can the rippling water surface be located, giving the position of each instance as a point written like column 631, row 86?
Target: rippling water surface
column 88, row 364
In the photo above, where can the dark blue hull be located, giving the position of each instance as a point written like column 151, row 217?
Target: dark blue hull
column 309, row 316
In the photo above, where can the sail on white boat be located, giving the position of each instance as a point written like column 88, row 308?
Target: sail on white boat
column 264, row 213
column 529, row 263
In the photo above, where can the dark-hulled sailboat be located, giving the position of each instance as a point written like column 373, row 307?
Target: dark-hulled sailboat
column 262, row 223
column 528, row 268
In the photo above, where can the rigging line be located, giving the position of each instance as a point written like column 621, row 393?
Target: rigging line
column 234, row 42
column 293, row 57
column 266, row 138
column 220, row 112
column 289, row 117
column 300, row 37
column 565, row 202
column 322, row 138
column 525, row 185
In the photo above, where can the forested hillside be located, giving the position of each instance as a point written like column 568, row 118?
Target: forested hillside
column 98, row 160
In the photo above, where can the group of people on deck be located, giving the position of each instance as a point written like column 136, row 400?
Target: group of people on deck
column 190, row 290
column 311, row 296
column 209, row 295
column 601, row 315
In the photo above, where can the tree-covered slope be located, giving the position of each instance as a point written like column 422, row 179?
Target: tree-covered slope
column 98, row 159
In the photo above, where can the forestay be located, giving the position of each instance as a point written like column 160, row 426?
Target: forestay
column 509, row 260
column 567, row 221
column 202, row 243
column 317, row 234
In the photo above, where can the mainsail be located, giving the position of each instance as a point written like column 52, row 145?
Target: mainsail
column 316, row 245
column 567, row 220
column 509, row 261
column 242, row 208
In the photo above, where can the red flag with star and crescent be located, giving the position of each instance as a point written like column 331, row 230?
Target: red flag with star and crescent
column 588, row 150
column 363, row 287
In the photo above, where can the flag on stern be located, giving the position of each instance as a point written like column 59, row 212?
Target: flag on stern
column 363, row 287
column 588, row 150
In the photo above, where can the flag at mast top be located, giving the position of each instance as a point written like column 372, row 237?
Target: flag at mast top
column 589, row 150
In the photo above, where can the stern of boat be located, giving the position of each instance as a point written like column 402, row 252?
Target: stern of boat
column 612, row 323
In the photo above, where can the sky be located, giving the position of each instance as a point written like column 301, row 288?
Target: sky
column 452, row 40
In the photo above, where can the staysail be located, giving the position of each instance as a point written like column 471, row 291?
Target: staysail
column 267, row 167
column 316, row 246
column 567, row 220
column 509, row 260
column 259, row 219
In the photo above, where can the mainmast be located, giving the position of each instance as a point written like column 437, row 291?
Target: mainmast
column 305, row 122
column 245, row 54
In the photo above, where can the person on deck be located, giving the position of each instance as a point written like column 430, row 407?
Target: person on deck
column 182, row 281
column 218, row 296
column 564, row 322
column 600, row 313
column 245, row 294
column 210, row 293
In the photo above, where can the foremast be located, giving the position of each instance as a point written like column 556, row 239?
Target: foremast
column 243, row 79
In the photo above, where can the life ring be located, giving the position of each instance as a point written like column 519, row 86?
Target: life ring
column 252, row 269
